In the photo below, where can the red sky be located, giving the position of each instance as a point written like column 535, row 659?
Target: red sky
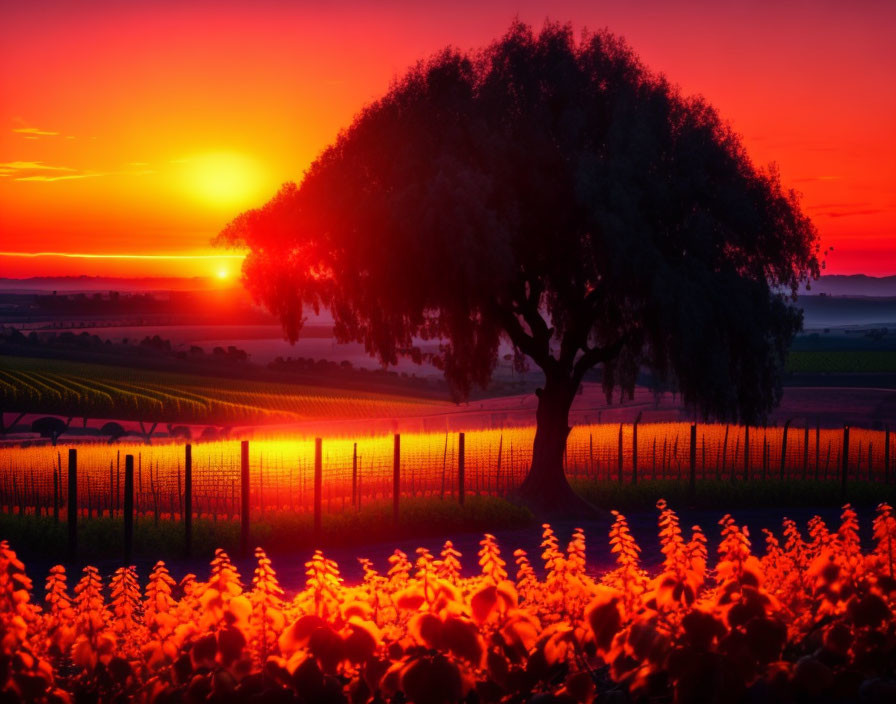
column 128, row 129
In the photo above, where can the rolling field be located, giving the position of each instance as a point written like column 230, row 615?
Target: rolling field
column 100, row 391
column 846, row 361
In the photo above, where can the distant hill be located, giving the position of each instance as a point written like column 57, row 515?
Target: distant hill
column 854, row 285
column 829, row 285
column 95, row 284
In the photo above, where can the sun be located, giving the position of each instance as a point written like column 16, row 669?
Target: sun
column 224, row 179
column 223, row 273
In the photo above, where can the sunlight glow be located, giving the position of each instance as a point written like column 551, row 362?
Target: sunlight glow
column 224, row 179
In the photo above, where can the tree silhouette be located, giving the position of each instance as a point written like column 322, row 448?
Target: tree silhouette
column 558, row 194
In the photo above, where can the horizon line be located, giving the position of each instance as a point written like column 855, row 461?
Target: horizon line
column 86, row 255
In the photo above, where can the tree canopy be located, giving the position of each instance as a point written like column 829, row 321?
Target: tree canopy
column 559, row 194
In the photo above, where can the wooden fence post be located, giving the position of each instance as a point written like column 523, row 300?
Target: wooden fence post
column 817, row 448
column 886, row 454
column 723, row 461
column 128, row 508
column 498, row 469
column 72, row 514
column 806, row 452
column 244, row 498
column 619, row 453
column 746, row 452
column 461, row 466
column 591, row 455
column 355, row 475
column 188, row 499
column 318, row 484
column 784, row 448
column 635, row 450
column 692, row 485
column 396, row 476
column 845, row 468
column 55, row 496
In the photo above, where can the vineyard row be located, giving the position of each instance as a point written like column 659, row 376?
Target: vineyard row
column 281, row 472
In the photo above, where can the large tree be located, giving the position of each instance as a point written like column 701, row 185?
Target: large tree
column 557, row 194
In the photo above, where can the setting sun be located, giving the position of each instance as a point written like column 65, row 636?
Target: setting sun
column 224, row 179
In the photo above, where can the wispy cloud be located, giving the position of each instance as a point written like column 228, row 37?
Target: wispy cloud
column 851, row 213
column 85, row 255
column 39, row 171
column 807, row 179
column 47, row 173
column 844, row 209
column 34, row 132
column 66, row 177
column 15, row 166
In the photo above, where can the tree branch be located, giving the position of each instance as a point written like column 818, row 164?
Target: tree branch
column 576, row 335
column 520, row 338
column 594, row 356
column 527, row 306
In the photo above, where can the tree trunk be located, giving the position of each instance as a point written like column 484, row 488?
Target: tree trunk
column 545, row 489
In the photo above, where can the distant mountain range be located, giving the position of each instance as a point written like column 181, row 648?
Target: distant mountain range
column 854, row 285
column 92, row 284
column 829, row 285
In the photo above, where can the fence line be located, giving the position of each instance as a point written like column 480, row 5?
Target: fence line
column 355, row 472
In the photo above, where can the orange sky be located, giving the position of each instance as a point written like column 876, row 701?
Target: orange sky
column 127, row 130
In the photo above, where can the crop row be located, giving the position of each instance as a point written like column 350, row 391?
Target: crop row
column 105, row 392
column 809, row 620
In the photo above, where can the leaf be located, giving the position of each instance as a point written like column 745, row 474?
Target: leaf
column 521, row 631
column 580, row 687
column 410, row 599
column 462, row 639
column 432, row 680
column 360, row 643
column 426, row 629
column 605, row 616
column 483, row 602
column 297, row 635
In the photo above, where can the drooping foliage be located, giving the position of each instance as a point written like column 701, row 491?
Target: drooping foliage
column 556, row 193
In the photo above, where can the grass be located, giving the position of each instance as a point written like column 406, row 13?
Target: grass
column 841, row 361
column 278, row 533
column 726, row 495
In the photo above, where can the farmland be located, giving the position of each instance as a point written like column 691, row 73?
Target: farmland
column 101, row 391
column 842, row 361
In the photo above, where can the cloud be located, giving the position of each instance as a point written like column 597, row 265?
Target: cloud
column 844, row 210
column 67, row 177
column 851, row 213
column 38, row 171
column 13, row 166
column 34, row 132
column 807, row 179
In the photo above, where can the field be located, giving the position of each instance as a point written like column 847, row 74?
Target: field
column 842, row 361
column 808, row 620
column 118, row 393
column 357, row 471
